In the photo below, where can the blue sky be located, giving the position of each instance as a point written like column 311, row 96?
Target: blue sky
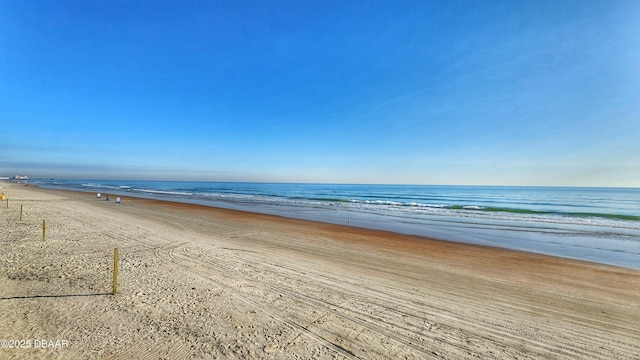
column 424, row 92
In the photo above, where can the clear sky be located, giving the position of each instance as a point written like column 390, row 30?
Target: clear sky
column 423, row 92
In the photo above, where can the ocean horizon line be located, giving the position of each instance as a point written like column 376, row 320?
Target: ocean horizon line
column 324, row 183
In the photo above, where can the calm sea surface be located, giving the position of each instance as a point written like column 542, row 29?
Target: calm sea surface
column 595, row 224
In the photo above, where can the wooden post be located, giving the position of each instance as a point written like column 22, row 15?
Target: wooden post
column 21, row 212
column 44, row 229
column 115, row 271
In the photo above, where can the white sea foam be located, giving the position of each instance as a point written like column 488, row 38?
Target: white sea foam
column 164, row 192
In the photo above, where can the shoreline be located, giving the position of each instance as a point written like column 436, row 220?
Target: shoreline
column 204, row 282
column 360, row 230
column 448, row 230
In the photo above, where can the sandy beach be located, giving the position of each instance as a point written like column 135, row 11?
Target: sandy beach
column 206, row 283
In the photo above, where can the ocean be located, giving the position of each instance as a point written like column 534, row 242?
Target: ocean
column 594, row 224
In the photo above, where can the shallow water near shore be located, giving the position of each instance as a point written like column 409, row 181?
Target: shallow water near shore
column 594, row 224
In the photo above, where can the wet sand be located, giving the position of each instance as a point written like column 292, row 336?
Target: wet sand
column 200, row 282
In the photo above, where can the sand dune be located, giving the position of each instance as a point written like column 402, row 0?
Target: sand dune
column 198, row 282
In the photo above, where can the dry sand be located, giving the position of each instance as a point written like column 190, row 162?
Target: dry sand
column 198, row 282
